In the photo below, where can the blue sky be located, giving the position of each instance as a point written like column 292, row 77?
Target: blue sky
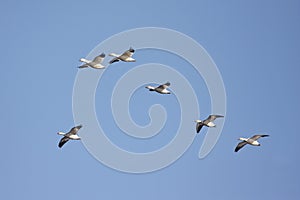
column 255, row 45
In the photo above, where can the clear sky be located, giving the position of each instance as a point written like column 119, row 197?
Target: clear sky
column 255, row 45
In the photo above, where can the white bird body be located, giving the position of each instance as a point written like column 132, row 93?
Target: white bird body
column 74, row 137
column 165, row 91
column 211, row 124
column 71, row 135
column 129, row 59
column 95, row 63
column 207, row 122
column 125, row 57
column 255, row 143
column 162, row 89
column 252, row 141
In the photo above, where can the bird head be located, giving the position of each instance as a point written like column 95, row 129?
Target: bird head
column 198, row 121
column 242, row 139
column 82, row 60
column 151, row 88
column 131, row 50
column 60, row 133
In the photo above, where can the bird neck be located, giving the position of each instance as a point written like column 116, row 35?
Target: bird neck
column 61, row 133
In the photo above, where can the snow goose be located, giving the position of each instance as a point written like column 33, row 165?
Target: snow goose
column 126, row 56
column 71, row 135
column 162, row 89
column 207, row 122
column 95, row 63
column 252, row 141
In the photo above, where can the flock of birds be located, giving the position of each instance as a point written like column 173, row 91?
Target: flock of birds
column 96, row 63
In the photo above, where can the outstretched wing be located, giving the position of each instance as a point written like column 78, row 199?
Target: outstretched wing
column 213, row 117
column 63, row 141
column 99, row 59
column 83, row 66
column 128, row 53
column 256, row 137
column 198, row 127
column 114, row 60
column 240, row 145
column 75, row 129
column 164, row 86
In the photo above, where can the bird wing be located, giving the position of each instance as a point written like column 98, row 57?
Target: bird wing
column 240, row 145
column 198, row 127
column 63, row 141
column 256, row 137
column 83, row 66
column 114, row 60
column 99, row 59
column 164, row 86
column 213, row 117
column 128, row 53
column 74, row 130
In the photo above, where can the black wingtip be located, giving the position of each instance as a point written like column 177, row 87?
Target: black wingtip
column 113, row 61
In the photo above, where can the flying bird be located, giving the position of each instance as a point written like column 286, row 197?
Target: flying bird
column 252, row 141
column 162, row 89
column 207, row 122
column 95, row 63
column 71, row 135
column 125, row 57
